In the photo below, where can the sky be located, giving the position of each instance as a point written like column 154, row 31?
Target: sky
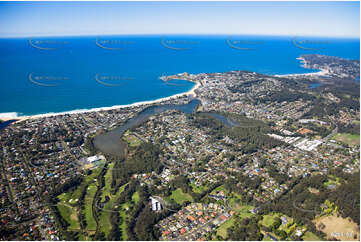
column 31, row 19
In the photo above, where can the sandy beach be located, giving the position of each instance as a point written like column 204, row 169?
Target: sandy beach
column 303, row 61
column 13, row 115
column 319, row 73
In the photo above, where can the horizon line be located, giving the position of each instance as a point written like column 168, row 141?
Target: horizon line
column 175, row 34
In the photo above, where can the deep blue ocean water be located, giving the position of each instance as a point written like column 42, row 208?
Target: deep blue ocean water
column 42, row 75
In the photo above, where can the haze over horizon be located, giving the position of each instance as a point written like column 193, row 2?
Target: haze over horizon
column 321, row 19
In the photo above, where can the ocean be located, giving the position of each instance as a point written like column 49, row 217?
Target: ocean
column 58, row 74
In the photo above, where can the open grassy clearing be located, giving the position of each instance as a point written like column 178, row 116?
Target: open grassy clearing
column 179, row 197
column 244, row 212
column 71, row 197
column 70, row 215
column 122, row 225
column 108, row 182
column 350, row 139
column 135, row 197
column 91, row 224
column 222, row 230
column 269, row 219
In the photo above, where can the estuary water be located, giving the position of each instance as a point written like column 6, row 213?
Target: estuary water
column 110, row 142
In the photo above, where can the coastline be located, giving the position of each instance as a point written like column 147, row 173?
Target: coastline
column 191, row 92
column 321, row 72
column 13, row 115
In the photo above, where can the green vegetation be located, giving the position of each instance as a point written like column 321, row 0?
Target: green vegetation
column 269, row 220
column 222, row 230
column 135, row 197
column 218, row 189
column 244, row 212
column 122, row 224
column 250, row 134
column 245, row 229
column 143, row 159
column 179, row 197
column 309, row 236
column 70, row 215
column 198, row 189
column 70, row 197
column 332, row 181
column 89, row 197
column 74, row 206
column 350, row 139
column 131, row 139
column 108, row 182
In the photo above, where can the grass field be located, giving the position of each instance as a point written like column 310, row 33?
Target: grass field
column 135, row 197
column 91, row 225
column 269, row 219
column 105, row 224
column 222, row 230
column 122, row 224
column 242, row 212
column 131, row 139
column 344, row 228
column 70, row 197
column 108, row 182
column 179, row 197
column 70, row 215
column 350, row 139
column 111, row 206
column 68, row 207
column 309, row 236
column 235, row 201
column 198, row 189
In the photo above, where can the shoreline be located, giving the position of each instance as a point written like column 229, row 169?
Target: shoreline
column 321, row 72
column 13, row 115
